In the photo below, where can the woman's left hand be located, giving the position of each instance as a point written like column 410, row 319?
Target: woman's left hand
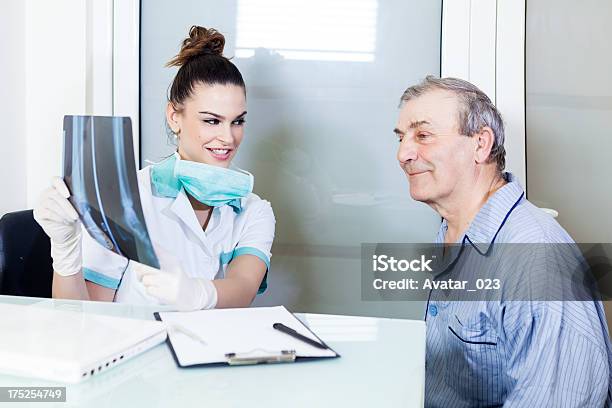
column 174, row 287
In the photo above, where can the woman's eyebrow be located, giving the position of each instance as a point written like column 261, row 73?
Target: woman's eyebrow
column 216, row 115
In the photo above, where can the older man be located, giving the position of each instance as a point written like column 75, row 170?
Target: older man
column 510, row 352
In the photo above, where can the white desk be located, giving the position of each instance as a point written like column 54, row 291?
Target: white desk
column 382, row 364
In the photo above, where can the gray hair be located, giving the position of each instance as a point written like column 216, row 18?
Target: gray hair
column 476, row 111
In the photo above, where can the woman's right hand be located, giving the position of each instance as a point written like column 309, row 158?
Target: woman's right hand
column 60, row 221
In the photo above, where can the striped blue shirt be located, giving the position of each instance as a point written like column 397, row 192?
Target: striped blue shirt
column 516, row 353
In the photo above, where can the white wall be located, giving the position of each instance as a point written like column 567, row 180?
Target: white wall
column 12, row 106
column 569, row 106
column 43, row 75
column 55, row 70
column 56, row 61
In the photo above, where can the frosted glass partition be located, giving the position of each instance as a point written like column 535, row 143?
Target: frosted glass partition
column 569, row 106
column 323, row 84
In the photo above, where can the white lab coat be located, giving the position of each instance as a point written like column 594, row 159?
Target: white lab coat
column 173, row 226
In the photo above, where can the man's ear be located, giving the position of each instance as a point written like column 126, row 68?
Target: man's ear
column 485, row 139
column 172, row 118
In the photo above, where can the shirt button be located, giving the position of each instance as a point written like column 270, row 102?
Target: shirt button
column 433, row 310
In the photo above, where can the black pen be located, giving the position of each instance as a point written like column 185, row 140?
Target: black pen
column 288, row 330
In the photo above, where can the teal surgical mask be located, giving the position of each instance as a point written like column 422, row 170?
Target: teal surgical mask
column 211, row 185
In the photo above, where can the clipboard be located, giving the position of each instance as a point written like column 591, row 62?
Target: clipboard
column 232, row 337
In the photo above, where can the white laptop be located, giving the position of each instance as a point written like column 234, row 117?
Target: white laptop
column 69, row 346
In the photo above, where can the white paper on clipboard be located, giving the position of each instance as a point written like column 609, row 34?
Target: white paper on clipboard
column 246, row 331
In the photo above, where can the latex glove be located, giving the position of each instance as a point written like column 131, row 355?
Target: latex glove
column 60, row 221
column 174, row 287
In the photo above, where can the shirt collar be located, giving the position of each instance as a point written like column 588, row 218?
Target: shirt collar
column 182, row 209
column 490, row 219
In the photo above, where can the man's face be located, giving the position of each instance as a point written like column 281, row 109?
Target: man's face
column 437, row 160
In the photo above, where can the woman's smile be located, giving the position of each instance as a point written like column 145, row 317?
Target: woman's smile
column 221, row 154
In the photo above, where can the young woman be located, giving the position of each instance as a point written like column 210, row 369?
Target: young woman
column 211, row 233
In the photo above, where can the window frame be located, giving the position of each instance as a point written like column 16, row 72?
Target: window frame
column 483, row 41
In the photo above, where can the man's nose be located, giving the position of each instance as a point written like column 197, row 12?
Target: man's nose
column 407, row 150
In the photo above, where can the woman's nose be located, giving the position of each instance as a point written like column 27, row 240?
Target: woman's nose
column 226, row 135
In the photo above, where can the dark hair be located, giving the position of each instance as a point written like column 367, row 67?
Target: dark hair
column 201, row 60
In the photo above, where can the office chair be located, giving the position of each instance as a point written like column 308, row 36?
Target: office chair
column 25, row 256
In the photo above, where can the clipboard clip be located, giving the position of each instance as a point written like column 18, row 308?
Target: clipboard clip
column 260, row 356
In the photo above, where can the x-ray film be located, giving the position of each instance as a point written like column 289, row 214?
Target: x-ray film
column 100, row 172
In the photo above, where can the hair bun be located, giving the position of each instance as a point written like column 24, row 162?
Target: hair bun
column 200, row 41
